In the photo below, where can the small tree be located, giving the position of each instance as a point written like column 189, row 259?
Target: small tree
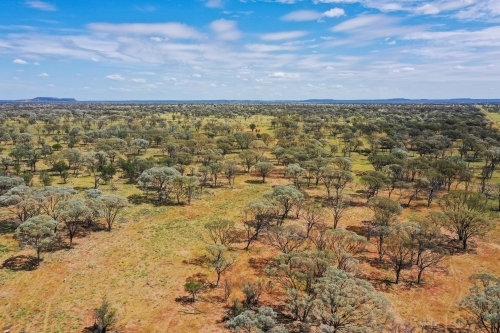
column 346, row 304
column 399, row 249
column 339, row 206
column 73, row 213
column 463, row 214
column 264, row 169
column 313, row 216
column 105, row 317
column 257, row 217
column 287, row 197
column 385, row 212
column 221, row 231
column 194, row 288
column 287, row 239
column 482, row 305
column 37, row 232
column 111, row 205
column 219, row 259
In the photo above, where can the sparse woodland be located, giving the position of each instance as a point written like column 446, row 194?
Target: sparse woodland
column 249, row 218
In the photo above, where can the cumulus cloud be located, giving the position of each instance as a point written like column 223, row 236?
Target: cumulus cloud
column 138, row 80
column 283, row 35
column 115, row 77
column 20, row 62
column 40, row 5
column 334, row 12
column 43, row 75
column 172, row 30
column 225, row 29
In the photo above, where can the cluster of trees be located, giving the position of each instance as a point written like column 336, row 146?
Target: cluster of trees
column 44, row 213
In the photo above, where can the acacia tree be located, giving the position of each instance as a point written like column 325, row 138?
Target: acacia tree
column 37, row 232
column 339, row 206
column 105, row 317
column 73, row 213
column 313, row 216
column 264, row 169
column 482, row 305
column 385, row 212
column 287, row 197
column 346, row 303
column 399, row 248
column 160, row 179
column 221, row 231
column 48, row 197
column 257, row 217
column 287, row 239
column 219, row 259
column 20, row 201
column 111, row 205
column 463, row 214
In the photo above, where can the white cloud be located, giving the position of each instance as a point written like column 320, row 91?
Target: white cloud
column 269, row 48
column 283, row 35
column 282, row 75
column 138, row 80
column 156, row 39
column 361, row 21
column 41, row 5
column 225, row 29
column 172, row 30
column 334, row 12
column 302, row 15
column 196, row 75
column 20, row 62
column 427, row 9
column 115, row 77
column 43, row 75
column 213, row 3
column 311, row 15
column 408, row 69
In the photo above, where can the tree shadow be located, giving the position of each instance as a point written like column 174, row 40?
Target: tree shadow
column 139, row 199
column 21, row 263
column 254, row 181
column 8, row 227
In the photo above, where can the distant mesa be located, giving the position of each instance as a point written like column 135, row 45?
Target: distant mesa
column 51, row 100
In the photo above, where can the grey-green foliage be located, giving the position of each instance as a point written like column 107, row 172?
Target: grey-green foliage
column 286, row 197
column 6, row 183
column 48, row 197
column 20, row 201
column 482, row 305
column 73, row 213
column 111, row 205
column 463, row 214
column 349, row 304
column 264, row 169
column 219, row 258
column 264, row 320
column 160, row 179
column 37, row 232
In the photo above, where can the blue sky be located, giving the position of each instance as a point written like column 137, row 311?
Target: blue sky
column 249, row 49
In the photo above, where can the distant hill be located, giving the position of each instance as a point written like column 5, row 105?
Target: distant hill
column 42, row 100
column 51, row 100
column 312, row 101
